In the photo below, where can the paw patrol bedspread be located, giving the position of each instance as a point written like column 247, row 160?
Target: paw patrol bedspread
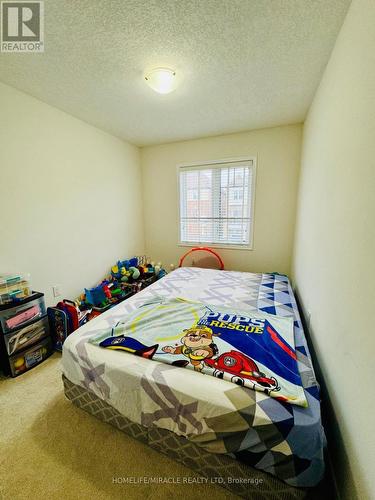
column 283, row 439
column 255, row 351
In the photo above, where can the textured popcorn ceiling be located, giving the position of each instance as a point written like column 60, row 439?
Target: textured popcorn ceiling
column 242, row 64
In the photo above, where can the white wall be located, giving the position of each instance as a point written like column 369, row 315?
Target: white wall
column 70, row 201
column 334, row 262
column 278, row 153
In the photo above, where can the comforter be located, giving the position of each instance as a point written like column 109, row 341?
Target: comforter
column 282, row 439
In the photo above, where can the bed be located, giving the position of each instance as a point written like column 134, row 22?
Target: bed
column 210, row 425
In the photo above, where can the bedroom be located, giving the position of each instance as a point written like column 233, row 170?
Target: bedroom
column 120, row 121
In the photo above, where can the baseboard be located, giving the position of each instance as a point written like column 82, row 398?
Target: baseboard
column 337, row 462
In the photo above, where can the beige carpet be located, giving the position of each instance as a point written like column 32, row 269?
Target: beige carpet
column 51, row 449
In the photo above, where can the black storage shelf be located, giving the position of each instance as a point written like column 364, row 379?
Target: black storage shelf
column 24, row 335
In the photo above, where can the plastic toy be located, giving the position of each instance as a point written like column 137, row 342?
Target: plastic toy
column 127, row 277
column 162, row 273
column 19, row 364
column 95, row 296
column 131, row 262
column 135, row 273
column 205, row 261
column 106, row 290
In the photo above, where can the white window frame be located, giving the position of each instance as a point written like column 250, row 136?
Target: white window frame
column 252, row 189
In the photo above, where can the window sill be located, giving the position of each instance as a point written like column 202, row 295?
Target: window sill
column 216, row 245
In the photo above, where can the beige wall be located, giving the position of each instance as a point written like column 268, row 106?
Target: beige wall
column 278, row 156
column 334, row 262
column 69, row 196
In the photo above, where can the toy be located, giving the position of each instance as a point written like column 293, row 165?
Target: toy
column 162, row 273
column 106, row 290
column 95, row 296
column 115, row 272
column 142, row 261
column 135, row 273
column 30, row 358
column 131, row 262
column 143, row 270
column 126, row 277
column 204, row 262
column 19, row 364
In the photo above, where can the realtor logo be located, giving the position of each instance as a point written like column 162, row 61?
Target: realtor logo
column 22, row 26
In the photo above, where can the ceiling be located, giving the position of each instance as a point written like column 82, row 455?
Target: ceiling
column 241, row 64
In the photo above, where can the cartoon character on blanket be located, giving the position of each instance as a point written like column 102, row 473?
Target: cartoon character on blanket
column 224, row 344
column 197, row 346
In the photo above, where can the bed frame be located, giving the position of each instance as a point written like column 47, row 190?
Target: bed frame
column 181, row 450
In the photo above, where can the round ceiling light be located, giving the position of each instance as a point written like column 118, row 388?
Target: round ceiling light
column 162, row 80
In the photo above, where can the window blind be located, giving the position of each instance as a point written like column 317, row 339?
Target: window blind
column 216, row 203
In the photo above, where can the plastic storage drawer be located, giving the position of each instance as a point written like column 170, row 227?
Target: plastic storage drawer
column 14, row 286
column 22, row 314
column 27, row 359
column 24, row 337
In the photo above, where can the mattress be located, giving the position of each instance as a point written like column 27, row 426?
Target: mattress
column 216, row 415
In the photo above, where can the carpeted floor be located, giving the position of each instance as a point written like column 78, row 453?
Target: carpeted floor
column 51, row 449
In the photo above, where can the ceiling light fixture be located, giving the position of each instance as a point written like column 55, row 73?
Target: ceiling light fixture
column 162, row 80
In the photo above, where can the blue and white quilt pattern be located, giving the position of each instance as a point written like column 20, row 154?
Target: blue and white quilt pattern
column 282, row 439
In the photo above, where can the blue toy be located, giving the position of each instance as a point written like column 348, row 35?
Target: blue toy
column 162, row 273
column 95, row 296
column 133, row 262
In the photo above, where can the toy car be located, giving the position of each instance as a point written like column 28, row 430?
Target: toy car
column 242, row 368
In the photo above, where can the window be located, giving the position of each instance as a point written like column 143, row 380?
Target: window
column 216, row 203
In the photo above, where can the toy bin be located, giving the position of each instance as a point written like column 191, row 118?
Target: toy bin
column 14, row 287
column 26, row 336
column 31, row 308
column 27, row 359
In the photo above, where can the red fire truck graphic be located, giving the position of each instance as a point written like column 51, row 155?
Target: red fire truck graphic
column 242, row 368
